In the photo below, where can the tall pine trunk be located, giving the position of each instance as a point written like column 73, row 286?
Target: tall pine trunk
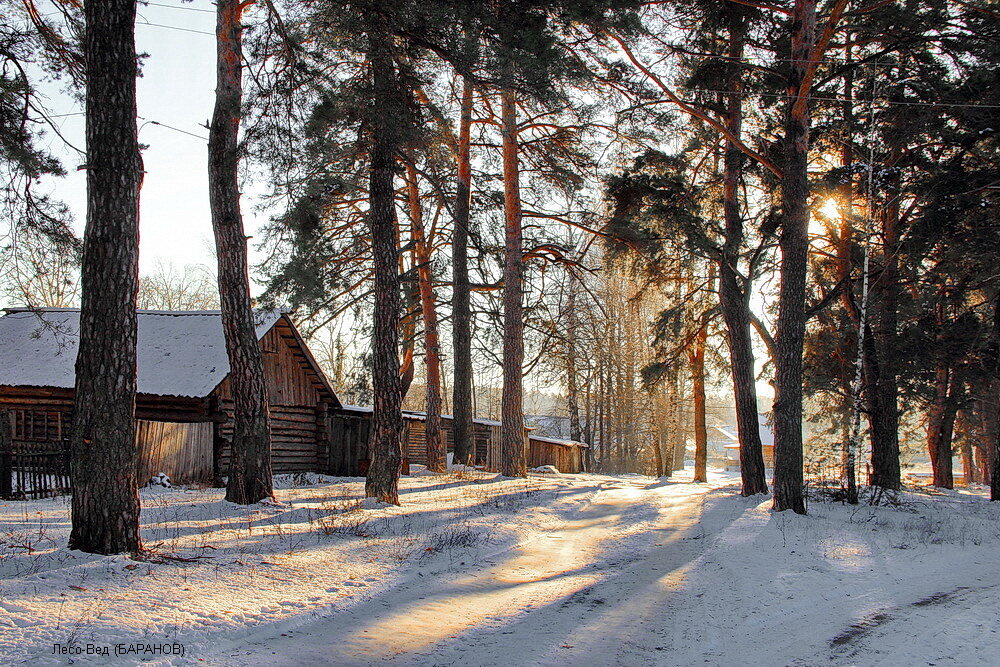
column 105, row 504
column 696, row 360
column 853, row 395
column 884, row 401
column 994, row 441
column 461, row 305
column 994, row 444
column 794, row 244
column 572, row 370
column 512, row 440
column 385, row 136
column 734, row 297
column 437, row 460
column 941, row 425
column 250, row 459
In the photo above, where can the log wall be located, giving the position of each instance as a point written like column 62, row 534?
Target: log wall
column 297, row 405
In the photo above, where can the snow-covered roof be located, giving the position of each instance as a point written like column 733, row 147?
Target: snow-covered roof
column 415, row 415
column 559, row 441
column 180, row 353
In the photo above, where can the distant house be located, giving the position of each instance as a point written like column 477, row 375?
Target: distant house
column 351, row 431
column 184, row 403
column 727, row 438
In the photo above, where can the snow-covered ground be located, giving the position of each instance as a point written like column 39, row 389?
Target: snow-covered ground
column 479, row 570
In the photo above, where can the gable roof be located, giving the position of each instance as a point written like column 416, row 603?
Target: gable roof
column 180, row 353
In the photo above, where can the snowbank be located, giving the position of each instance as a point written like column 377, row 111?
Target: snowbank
column 473, row 568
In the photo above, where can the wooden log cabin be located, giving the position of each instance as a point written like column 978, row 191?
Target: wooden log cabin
column 184, row 402
column 351, row 431
column 351, row 428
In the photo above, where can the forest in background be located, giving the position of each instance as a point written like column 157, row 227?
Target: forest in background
column 620, row 202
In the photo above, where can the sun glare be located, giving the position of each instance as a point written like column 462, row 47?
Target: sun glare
column 830, row 209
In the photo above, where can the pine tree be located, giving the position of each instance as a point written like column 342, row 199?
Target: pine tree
column 250, row 459
column 105, row 505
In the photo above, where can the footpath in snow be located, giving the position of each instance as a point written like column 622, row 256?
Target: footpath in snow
column 476, row 569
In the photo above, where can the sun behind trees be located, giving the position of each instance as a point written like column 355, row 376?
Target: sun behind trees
column 615, row 209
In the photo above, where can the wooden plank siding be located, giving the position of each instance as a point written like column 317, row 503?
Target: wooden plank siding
column 182, row 451
column 565, row 457
column 350, row 433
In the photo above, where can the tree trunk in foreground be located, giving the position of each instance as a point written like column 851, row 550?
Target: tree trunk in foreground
column 250, row 458
column 994, row 480
column 512, row 440
column 437, row 453
column 794, row 243
column 105, row 504
column 461, row 308
column 994, row 442
column 386, row 444
column 733, row 298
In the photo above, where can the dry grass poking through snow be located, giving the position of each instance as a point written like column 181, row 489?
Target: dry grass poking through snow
column 217, row 568
column 575, row 568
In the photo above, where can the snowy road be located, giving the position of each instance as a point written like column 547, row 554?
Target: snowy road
column 474, row 569
column 577, row 594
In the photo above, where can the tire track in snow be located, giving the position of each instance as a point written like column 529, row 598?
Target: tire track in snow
column 548, row 600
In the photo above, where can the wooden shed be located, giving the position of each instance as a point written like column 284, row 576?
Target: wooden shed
column 566, row 455
column 351, row 432
column 184, row 404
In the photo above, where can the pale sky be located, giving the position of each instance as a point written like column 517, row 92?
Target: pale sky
column 176, row 88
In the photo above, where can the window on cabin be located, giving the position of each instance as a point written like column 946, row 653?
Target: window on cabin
column 37, row 425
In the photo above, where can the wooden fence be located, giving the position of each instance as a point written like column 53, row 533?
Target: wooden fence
column 34, row 453
column 34, row 460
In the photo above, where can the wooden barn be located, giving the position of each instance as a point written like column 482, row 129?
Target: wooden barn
column 351, row 430
column 184, row 404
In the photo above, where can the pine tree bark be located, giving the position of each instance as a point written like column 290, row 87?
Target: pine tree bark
column 696, row 361
column 250, row 460
column 512, row 440
column 794, row 244
column 385, row 136
column 994, row 444
column 105, row 504
column 437, row 455
column 884, row 414
column 733, row 297
column 461, row 305
column 572, row 384
column 962, row 431
column 941, row 425
column 994, row 441
column 845, row 267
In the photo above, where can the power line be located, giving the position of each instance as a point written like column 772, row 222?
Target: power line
column 171, row 127
column 187, row 9
column 142, row 118
column 173, row 27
